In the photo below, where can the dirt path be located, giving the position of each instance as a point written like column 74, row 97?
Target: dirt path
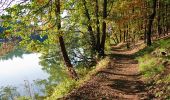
column 121, row 80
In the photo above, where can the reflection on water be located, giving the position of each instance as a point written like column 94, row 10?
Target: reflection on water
column 18, row 66
column 14, row 54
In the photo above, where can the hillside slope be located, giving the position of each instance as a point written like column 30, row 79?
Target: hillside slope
column 120, row 80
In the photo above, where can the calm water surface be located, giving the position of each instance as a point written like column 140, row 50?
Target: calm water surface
column 14, row 71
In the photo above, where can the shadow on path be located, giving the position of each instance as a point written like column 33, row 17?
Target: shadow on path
column 129, row 87
column 121, row 80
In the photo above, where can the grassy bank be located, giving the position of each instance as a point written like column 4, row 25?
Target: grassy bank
column 155, row 68
column 68, row 85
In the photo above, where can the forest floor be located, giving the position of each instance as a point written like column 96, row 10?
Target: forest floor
column 121, row 80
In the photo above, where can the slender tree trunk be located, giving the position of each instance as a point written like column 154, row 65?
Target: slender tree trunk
column 134, row 39
column 120, row 36
column 158, row 19
column 145, row 21
column 145, row 35
column 166, row 17
column 127, row 37
column 117, row 39
column 92, row 37
column 150, row 24
column 102, row 45
column 98, row 27
column 124, row 35
column 67, row 61
column 163, row 20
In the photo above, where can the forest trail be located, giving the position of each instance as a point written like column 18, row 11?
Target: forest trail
column 121, row 80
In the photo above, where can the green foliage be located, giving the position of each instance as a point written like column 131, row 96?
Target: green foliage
column 150, row 66
column 8, row 93
column 23, row 98
column 83, row 71
column 63, row 88
column 67, row 84
column 108, row 46
column 15, row 52
column 164, row 44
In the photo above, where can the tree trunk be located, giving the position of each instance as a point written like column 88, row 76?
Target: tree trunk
column 150, row 24
column 66, row 59
column 145, row 35
column 158, row 19
column 124, row 35
column 120, row 36
column 102, row 45
column 98, row 27
column 166, row 18
column 127, row 38
column 145, row 22
column 117, row 39
column 163, row 20
column 92, row 37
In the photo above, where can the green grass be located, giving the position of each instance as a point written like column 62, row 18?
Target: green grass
column 153, row 70
column 150, row 66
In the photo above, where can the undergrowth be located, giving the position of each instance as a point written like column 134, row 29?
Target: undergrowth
column 155, row 68
column 68, row 84
column 150, row 66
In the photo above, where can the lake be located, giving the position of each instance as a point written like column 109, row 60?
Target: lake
column 16, row 69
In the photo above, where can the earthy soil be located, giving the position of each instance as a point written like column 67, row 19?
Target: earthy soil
column 121, row 80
